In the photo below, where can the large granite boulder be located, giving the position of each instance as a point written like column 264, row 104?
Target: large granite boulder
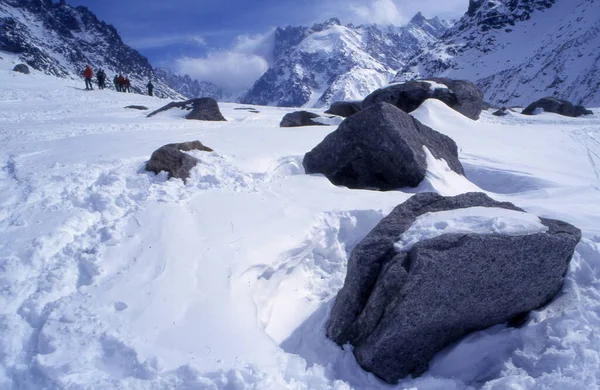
column 300, row 118
column 204, row 109
column 21, row 68
column 402, row 305
column 170, row 158
column 461, row 95
column 380, row 148
column 345, row 108
column 557, row 106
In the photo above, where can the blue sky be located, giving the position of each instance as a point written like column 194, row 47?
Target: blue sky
column 208, row 37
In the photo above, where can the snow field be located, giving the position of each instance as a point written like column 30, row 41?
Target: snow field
column 115, row 278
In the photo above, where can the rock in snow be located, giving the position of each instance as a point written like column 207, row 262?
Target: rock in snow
column 557, row 106
column 21, row 68
column 344, row 109
column 461, row 95
column 170, row 158
column 380, row 148
column 399, row 307
column 300, row 118
column 204, row 109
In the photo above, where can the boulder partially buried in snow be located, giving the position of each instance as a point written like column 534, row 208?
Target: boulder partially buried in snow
column 170, row 158
column 438, row 268
column 345, row 108
column 460, row 95
column 204, row 109
column 21, row 68
column 557, row 106
column 301, row 118
column 380, row 148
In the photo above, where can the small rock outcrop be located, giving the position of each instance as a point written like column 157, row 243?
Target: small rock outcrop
column 134, row 107
column 170, row 158
column 21, row 68
column 300, row 118
column 204, row 109
column 461, row 95
column 380, row 148
column 557, row 106
column 399, row 308
column 344, row 109
column 501, row 112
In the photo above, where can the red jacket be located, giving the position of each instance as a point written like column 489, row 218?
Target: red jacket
column 88, row 73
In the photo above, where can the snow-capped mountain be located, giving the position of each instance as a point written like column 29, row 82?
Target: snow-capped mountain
column 189, row 87
column 518, row 51
column 60, row 40
column 314, row 66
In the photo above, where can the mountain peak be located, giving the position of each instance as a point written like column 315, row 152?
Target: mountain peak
column 327, row 24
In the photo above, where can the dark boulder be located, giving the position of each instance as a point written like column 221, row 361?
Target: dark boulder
column 300, row 118
column 21, row 68
column 170, row 158
column 204, row 109
column 501, row 112
column 380, row 148
column 134, row 107
column 460, row 95
column 344, row 109
column 399, row 309
column 557, row 106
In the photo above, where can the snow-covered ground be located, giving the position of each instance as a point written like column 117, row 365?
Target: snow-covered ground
column 114, row 278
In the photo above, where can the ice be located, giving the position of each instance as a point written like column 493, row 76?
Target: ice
column 471, row 220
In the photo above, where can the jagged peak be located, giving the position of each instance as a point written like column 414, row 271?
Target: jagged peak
column 327, row 24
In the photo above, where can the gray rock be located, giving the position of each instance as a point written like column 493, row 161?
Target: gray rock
column 300, row 118
column 461, row 95
column 380, row 148
column 400, row 309
column 501, row 112
column 344, row 109
column 557, row 106
column 204, row 109
column 21, row 68
column 134, row 107
column 170, row 158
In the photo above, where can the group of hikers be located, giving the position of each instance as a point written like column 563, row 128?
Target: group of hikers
column 122, row 84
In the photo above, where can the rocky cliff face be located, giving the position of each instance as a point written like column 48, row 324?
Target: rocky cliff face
column 518, row 51
column 317, row 65
column 189, row 87
column 60, row 40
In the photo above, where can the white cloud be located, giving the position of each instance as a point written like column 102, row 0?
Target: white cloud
column 235, row 69
column 378, row 12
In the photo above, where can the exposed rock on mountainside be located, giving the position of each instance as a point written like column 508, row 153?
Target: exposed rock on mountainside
column 520, row 51
column 188, row 87
column 407, row 296
column 203, row 109
column 561, row 107
column 330, row 62
column 380, row 148
column 300, row 118
column 60, row 40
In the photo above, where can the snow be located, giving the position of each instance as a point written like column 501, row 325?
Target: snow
column 115, row 278
column 471, row 220
column 433, row 85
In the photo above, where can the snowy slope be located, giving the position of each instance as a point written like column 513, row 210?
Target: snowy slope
column 520, row 51
column 328, row 62
column 113, row 278
column 61, row 40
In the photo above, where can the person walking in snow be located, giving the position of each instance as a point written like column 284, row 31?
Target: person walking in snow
column 88, row 73
column 150, row 87
column 116, row 83
column 101, row 77
column 121, row 82
column 127, row 85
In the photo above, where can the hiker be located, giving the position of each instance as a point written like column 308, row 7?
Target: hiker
column 127, row 84
column 101, row 77
column 150, row 87
column 121, row 82
column 88, row 73
column 116, row 83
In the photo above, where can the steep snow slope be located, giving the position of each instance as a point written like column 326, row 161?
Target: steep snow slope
column 329, row 62
column 519, row 51
column 60, row 40
column 113, row 278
